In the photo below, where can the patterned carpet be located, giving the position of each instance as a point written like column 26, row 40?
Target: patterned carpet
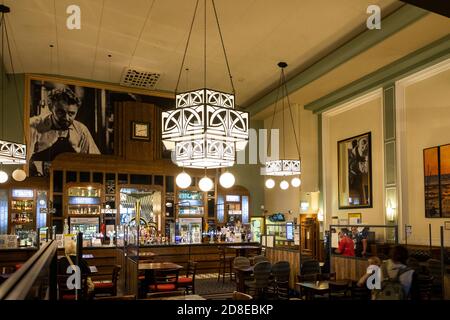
column 208, row 284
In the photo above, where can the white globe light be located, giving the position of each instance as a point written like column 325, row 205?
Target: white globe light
column 19, row 175
column 183, row 180
column 3, row 177
column 284, row 185
column 227, row 179
column 270, row 183
column 296, row 182
column 205, row 184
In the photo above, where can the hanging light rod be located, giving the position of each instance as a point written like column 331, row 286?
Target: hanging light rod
column 10, row 152
column 204, row 130
column 283, row 166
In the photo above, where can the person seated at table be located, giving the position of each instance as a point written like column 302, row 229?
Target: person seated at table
column 373, row 261
column 70, row 259
column 346, row 244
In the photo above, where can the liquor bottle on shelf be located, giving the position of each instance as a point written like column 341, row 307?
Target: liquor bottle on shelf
column 66, row 227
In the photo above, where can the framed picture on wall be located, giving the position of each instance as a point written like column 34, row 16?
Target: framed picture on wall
column 354, row 218
column 355, row 172
column 431, row 182
column 436, row 171
column 140, row 130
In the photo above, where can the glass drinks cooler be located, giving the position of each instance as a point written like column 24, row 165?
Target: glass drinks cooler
column 190, row 203
column 88, row 226
column 22, row 210
column 257, row 228
column 190, row 230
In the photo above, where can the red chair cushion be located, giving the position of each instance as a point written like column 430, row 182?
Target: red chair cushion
column 103, row 285
column 68, row 297
column 163, row 287
column 184, row 280
column 18, row 266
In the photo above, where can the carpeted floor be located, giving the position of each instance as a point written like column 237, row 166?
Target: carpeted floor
column 208, row 284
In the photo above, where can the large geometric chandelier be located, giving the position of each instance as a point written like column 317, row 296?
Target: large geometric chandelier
column 11, row 153
column 284, row 166
column 204, row 130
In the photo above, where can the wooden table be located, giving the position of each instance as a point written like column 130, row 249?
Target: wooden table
column 240, row 277
column 147, row 255
column 317, row 287
column 185, row 297
column 241, row 250
column 159, row 266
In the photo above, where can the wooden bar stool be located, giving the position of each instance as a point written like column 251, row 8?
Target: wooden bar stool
column 225, row 264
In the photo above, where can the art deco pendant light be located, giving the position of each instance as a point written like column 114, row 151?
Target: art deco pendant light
column 204, row 130
column 11, row 153
column 285, row 166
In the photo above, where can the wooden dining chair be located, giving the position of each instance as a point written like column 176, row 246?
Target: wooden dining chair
column 188, row 282
column 165, row 280
column 108, row 287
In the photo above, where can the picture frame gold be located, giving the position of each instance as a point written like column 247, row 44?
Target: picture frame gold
column 354, row 218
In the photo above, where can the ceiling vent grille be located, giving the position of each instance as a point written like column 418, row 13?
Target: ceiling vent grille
column 139, row 79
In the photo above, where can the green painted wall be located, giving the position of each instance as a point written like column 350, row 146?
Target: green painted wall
column 248, row 176
column 11, row 115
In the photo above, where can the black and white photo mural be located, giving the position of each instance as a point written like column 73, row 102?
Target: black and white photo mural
column 355, row 172
column 72, row 116
column 67, row 118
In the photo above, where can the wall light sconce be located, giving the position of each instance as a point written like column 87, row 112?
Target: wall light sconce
column 320, row 215
column 390, row 212
column 304, row 205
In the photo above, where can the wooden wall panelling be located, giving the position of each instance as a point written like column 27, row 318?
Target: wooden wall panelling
column 348, row 267
column 292, row 256
column 138, row 149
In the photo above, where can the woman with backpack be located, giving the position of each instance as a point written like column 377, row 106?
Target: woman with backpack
column 400, row 281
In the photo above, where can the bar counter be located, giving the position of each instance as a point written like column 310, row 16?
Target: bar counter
column 206, row 254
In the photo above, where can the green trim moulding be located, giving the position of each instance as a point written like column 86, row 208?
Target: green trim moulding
column 393, row 23
column 413, row 62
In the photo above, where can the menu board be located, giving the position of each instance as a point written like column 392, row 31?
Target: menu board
column 289, row 231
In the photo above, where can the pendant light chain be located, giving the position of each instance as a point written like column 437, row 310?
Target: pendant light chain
column 204, row 48
column 223, row 47
column 2, row 22
column 284, row 127
column 284, row 166
column 274, row 112
column 187, row 46
column 292, row 118
column 16, row 87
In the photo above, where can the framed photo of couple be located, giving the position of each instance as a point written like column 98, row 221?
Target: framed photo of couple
column 355, row 172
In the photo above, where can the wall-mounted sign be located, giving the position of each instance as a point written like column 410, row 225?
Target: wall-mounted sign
column 233, row 198
column 84, row 200
column 22, row 193
column 289, row 231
